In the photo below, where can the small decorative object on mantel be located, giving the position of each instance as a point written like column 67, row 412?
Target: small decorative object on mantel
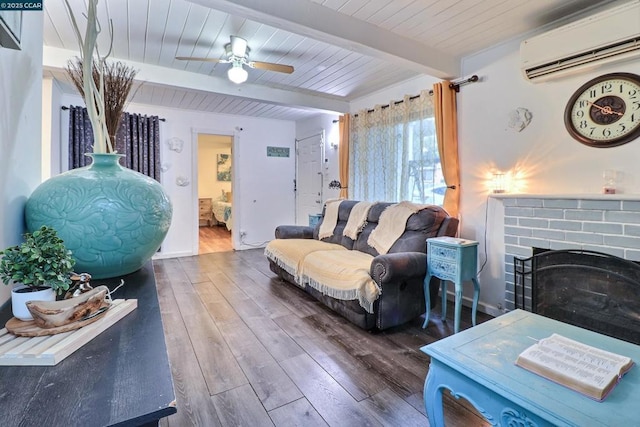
column 499, row 183
column 603, row 112
column 112, row 218
column 610, row 177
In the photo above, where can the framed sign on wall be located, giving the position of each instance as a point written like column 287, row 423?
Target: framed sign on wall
column 10, row 29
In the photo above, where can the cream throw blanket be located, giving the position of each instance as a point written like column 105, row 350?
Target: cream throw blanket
column 342, row 275
column 330, row 218
column 357, row 219
column 391, row 225
column 289, row 253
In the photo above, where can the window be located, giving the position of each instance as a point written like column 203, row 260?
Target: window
column 394, row 154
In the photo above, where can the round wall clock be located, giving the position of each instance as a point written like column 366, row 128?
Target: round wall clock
column 605, row 111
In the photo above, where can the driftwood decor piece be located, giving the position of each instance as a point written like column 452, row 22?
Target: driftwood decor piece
column 52, row 314
column 29, row 328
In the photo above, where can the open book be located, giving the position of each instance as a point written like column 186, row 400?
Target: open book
column 580, row 367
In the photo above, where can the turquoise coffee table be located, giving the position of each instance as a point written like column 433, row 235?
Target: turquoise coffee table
column 478, row 365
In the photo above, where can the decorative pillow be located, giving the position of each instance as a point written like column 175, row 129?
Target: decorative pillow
column 228, row 195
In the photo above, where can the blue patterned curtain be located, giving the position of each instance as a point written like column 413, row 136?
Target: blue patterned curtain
column 80, row 137
column 138, row 138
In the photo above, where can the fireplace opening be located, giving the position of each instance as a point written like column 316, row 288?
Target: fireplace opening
column 592, row 290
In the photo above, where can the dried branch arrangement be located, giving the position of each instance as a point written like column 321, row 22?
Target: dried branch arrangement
column 105, row 94
column 118, row 80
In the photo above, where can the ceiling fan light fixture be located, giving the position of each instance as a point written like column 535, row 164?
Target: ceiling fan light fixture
column 238, row 46
column 237, row 74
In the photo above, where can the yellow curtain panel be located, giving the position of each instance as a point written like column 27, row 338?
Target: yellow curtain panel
column 343, row 128
column 444, row 100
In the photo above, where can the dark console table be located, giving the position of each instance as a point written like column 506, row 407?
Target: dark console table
column 122, row 377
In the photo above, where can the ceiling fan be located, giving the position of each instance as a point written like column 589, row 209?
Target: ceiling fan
column 237, row 54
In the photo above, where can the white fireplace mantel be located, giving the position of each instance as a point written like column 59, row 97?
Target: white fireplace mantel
column 591, row 196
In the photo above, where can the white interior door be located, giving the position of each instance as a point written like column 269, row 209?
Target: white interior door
column 309, row 177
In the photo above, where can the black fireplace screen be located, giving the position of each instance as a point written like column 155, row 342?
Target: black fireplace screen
column 588, row 289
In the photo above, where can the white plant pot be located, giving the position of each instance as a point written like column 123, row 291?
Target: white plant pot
column 19, row 300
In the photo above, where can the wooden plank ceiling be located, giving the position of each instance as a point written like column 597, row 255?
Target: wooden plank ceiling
column 341, row 49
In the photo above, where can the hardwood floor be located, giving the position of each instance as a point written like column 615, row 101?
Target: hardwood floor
column 247, row 349
column 214, row 239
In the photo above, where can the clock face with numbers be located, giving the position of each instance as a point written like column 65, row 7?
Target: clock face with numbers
column 605, row 111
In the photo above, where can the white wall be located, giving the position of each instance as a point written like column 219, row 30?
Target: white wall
column 20, row 130
column 331, row 170
column 544, row 155
column 262, row 186
column 51, row 94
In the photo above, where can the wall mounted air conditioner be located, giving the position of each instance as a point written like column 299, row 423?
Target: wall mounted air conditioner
column 607, row 36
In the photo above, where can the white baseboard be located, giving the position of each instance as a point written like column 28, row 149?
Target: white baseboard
column 161, row 255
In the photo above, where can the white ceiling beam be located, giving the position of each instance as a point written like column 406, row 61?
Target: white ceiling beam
column 321, row 23
column 57, row 59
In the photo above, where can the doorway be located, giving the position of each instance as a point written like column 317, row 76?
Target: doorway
column 215, row 197
column 309, row 177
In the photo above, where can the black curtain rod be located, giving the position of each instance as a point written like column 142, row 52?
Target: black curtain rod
column 162, row 119
column 456, row 85
column 453, row 85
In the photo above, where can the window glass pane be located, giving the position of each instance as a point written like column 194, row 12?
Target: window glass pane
column 394, row 155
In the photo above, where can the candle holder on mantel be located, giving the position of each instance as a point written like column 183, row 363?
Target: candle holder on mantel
column 610, row 177
column 498, row 183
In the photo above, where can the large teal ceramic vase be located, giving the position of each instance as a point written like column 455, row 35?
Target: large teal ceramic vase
column 113, row 219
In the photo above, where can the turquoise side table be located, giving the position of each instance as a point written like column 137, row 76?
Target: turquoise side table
column 453, row 259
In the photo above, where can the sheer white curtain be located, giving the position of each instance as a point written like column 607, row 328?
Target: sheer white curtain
column 394, row 153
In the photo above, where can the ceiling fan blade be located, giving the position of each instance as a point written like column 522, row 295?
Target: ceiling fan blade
column 238, row 46
column 193, row 58
column 281, row 68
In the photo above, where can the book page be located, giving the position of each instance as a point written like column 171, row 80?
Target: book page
column 574, row 364
column 602, row 358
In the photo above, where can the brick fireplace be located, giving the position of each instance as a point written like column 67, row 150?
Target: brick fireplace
column 602, row 223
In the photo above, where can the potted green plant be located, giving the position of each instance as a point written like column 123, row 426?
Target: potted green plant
column 39, row 268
